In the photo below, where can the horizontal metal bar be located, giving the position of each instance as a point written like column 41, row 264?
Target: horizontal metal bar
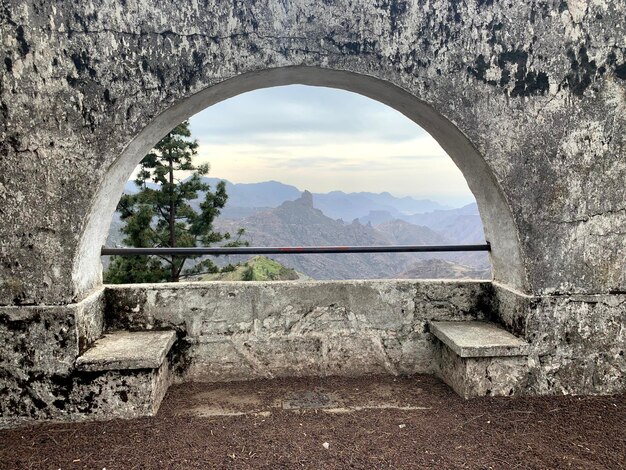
column 300, row 250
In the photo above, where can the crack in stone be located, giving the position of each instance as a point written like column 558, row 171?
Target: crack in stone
column 587, row 218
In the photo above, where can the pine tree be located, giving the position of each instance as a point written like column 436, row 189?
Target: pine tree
column 159, row 215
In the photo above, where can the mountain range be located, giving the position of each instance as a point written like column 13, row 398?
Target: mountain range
column 276, row 214
column 298, row 222
column 245, row 199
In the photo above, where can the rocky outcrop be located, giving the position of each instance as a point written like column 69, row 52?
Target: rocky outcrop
column 442, row 269
column 298, row 223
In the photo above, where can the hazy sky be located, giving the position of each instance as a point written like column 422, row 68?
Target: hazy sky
column 323, row 139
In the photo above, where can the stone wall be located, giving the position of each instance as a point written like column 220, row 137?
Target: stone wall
column 246, row 330
column 239, row 331
column 38, row 348
column 528, row 98
column 578, row 342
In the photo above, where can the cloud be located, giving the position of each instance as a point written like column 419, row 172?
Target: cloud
column 293, row 112
column 323, row 139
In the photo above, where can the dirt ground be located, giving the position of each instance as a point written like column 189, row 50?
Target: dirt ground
column 335, row 423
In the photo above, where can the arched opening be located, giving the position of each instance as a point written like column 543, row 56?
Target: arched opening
column 308, row 166
column 500, row 229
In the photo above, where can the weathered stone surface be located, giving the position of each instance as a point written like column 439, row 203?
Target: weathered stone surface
column 527, row 98
column 577, row 343
column 89, row 319
column 236, row 331
column 78, row 395
column 482, row 376
column 38, row 347
column 478, row 358
column 124, row 350
column 478, row 339
column 239, row 331
column 111, row 394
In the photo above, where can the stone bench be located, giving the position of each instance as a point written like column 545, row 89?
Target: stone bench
column 124, row 374
column 479, row 358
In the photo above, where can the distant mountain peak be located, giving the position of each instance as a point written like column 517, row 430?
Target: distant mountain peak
column 306, row 199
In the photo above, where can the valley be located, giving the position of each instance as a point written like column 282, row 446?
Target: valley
column 275, row 214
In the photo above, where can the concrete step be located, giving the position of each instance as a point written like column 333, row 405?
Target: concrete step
column 478, row 339
column 127, row 350
column 124, row 374
column 479, row 358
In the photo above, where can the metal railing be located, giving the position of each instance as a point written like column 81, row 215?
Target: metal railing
column 299, row 250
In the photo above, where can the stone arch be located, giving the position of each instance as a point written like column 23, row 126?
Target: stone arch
column 500, row 228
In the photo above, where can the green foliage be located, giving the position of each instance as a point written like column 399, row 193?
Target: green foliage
column 248, row 274
column 135, row 269
column 160, row 215
column 229, row 268
column 258, row 268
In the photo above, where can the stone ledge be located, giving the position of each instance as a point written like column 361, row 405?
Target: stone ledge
column 478, row 339
column 127, row 350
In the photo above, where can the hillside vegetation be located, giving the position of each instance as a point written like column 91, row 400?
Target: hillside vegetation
column 380, row 219
column 258, row 268
column 299, row 223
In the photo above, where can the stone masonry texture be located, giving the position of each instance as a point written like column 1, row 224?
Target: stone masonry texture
column 528, row 98
column 246, row 330
column 240, row 330
column 538, row 88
